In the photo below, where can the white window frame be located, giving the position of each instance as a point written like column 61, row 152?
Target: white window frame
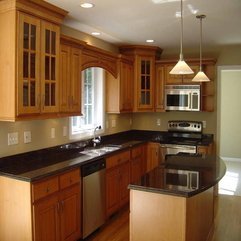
column 86, row 131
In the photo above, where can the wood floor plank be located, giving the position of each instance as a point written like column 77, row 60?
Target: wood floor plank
column 227, row 223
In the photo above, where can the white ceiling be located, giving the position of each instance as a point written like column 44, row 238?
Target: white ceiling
column 134, row 21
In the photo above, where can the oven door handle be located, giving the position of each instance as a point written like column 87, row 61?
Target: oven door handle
column 178, row 147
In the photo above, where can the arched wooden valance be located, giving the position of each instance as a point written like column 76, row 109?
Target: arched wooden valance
column 95, row 57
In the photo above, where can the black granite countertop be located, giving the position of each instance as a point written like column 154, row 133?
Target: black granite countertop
column 35, row 165
column 210, row 171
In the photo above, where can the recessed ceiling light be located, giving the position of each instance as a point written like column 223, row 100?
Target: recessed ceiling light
column 149, row 40
column 87, row 5
column 95, row 33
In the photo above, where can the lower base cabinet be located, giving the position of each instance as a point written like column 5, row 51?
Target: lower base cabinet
column 45, row 210
column 153, row 156
column 117, row 181
column 58, row 217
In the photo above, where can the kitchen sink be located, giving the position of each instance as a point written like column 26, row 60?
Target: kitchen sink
column 98, row 151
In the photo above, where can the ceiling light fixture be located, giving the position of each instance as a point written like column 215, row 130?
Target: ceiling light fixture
column 87, row 5
column 149, row 40
column 95, row 33
column 200, row 76
column 181, row 67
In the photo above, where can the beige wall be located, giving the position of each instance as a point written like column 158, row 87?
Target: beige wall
column 230, row 113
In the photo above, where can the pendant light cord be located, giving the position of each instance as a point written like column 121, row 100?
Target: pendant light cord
column 181, row 54
column 201, row 44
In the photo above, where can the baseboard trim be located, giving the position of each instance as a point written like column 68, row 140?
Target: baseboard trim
column 231, row 159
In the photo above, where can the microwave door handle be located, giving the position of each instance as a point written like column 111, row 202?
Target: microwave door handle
column 190, row 101
column 189, row 181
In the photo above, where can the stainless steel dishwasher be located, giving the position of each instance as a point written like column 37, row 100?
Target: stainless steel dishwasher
column 93, row 196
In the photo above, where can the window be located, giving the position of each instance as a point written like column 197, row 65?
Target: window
column 92, row 105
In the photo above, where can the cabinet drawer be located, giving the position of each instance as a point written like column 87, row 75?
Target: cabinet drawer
column 117, row 159
column 45, row 188
column 69, row 178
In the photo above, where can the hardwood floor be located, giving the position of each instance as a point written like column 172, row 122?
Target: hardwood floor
column 227, row 223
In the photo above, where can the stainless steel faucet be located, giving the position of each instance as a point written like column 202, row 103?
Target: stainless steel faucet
column 96, row 140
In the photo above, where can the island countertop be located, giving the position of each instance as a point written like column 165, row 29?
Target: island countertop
column 208, row 171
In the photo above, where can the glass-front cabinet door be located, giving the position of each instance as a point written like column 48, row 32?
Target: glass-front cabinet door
column 50, row 34
column 28, row 47
column 145, row 88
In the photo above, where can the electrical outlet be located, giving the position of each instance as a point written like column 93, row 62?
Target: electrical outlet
column 13, row 138
column 113, row 123
column 204, row 124
column 52, row 133
column 158, row 122
column 107, row 124
column 27, row 137
column 64, row 130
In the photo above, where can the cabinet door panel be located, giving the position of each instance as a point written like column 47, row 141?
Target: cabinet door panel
column 47, row 220
column 124, row 182
column 112, row 190
column 70, row 213
column 49, row 66
column 28, row 64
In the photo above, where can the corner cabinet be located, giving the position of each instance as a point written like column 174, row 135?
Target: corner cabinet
column 119, row 91
column 31, row 64
column 144, row 75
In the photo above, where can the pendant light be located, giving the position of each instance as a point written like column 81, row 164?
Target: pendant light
column 200, row 76
column 181, row 67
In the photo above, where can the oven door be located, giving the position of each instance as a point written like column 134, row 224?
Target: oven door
column 173, row 149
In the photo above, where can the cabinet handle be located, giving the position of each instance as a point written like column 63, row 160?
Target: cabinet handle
column 70, row 180
column 47, row 190
column 62, row 205
column 58, row 207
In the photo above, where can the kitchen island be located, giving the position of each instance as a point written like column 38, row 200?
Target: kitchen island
column 175, row 201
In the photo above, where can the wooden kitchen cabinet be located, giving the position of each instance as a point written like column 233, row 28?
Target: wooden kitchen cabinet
column 153, row 156
column 70, row 78
column 119, row 91
column 29, row 59
column 144, row 75
column 45, row 210
column 205, row 149
column 57, row 216
column 160, row 89
column 137, row 162
column 117, row 181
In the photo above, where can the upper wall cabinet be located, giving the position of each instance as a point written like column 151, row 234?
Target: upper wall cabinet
column 29, row 61
column 70, row 76
column 144, row 75
column 163, row 78
column 119, row 91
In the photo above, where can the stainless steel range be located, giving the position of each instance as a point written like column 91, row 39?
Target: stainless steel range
column 182, row 137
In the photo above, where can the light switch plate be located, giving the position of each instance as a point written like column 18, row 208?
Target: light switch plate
column 64, row 130
column 52, row 133
column 27, row 138
column 113, row 123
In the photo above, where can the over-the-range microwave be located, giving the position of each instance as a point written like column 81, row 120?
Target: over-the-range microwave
column 182, row 97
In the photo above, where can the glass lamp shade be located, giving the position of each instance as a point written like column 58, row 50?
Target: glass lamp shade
column 181, row 68
column 200, row 77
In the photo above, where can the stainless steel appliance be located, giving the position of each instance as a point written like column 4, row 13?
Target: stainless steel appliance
column 183, row 180
column 182, row 137
column 182, row 97
column 93, row 196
